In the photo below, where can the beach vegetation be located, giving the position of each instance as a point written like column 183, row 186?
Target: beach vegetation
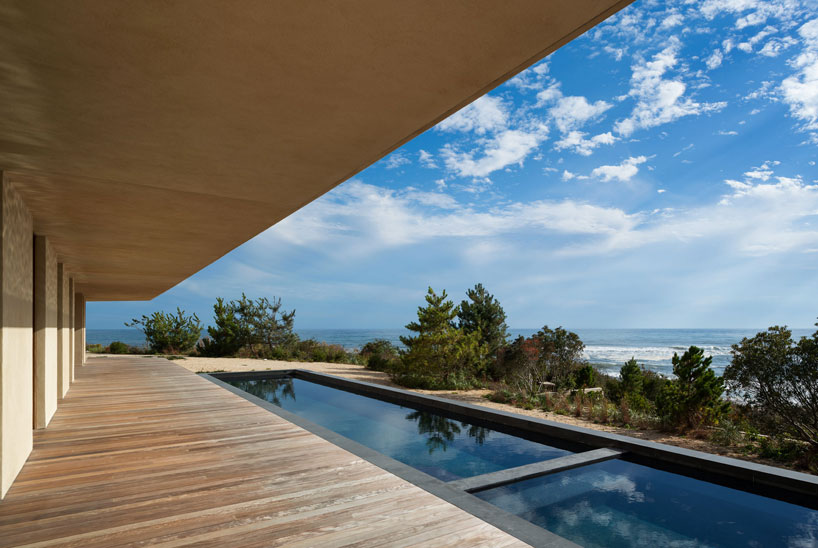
column 228, row 335
column 694, row 397
column 482, row 314
column 549, row 356
column 776, row 378
column 380, row 355
column 168, row 333
column 440, row 355
column 118, row 347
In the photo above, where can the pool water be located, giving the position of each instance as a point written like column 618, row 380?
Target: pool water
column 442, row 447
column 617, row 504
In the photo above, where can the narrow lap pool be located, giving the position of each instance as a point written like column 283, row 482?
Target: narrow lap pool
column 619, row 504
column 442, row 447
column 614, row 503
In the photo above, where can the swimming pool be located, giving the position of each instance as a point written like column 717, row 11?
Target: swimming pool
column 561, row 489
column 443, row 447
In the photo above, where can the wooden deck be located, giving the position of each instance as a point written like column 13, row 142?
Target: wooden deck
column 143, row 452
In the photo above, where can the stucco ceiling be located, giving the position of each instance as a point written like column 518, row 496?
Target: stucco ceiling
column 149, row 138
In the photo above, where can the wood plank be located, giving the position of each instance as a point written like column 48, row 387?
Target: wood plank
column 142, row 451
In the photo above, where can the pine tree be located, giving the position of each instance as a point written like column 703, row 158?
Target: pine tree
column 440, row 355
column 228, row 335
column 694, row 397
column 483, row 314
column 631, row 377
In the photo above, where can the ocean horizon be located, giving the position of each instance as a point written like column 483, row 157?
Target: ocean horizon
column 607, row 348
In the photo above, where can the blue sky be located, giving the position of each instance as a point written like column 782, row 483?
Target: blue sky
column 659, row 171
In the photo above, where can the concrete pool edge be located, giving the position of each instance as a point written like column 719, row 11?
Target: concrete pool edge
column 505, row 521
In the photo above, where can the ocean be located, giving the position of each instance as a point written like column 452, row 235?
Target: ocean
column 608, row 348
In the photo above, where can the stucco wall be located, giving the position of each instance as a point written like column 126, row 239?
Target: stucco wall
column 45, row 332
column 71, row 338
column 63, row 332
column 16, row 335
column 79, row 330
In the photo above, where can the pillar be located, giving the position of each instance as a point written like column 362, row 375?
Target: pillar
column 71, row 337
column 16, row 333
column 45, row 332
column 63, row 332
column 79, row 330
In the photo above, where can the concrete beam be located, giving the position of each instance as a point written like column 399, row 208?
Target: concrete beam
column 534, row 470
column 63, row 332
column 45, row 332
column 16, row 340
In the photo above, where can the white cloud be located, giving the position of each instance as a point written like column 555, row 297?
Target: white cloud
column 484, row 115
column 507, row 148
column 659, row 100
column 623, row 172
column 396, row 160
column 800, row 90
column 672, row 20
column 731, row 132
column 567, row 175
column 426, row 159
column 755, row 218
column 775, row 47
column 714, row 60
column 576, row 140
column 661, row 191
column 363, row 218
column 571, row 112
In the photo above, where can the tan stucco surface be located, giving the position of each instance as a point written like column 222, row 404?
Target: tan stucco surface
column 79, row 330
column 150, row 138
column 63, row 332
column 45, row 332
column 16, row 340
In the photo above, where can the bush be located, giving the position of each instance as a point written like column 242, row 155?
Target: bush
column 551, row 355
column 118, row 347
column 694, row 397
column 778, row 379
column 380, row 355
column 585, row 376
column 167, row 333
column 94, row 348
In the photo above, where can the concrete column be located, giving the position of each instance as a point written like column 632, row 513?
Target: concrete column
column 45, row 332
column 79, row 329
column 16, row 333
column 71, row 326
column 63, row 332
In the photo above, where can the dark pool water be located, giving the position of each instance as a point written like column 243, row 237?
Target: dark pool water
column 618, row 504
column 444, row 448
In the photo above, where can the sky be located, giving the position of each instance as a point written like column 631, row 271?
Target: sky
column 658, row 171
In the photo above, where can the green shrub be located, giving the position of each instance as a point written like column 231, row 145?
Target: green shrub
column 585, row 376
column 551, row 355
column 94, row 348
column 778, row 379
column 167, row 333
column 380, row 355
column 118, row 347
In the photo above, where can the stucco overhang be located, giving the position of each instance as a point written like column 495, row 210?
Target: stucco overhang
column 149, row 138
